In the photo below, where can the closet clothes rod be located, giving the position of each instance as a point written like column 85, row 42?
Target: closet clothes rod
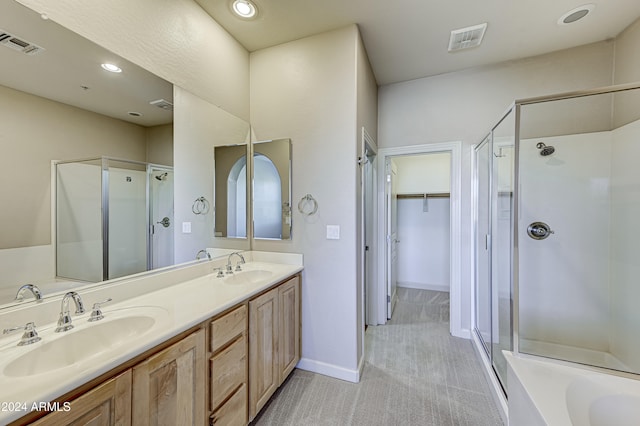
column 432, row 195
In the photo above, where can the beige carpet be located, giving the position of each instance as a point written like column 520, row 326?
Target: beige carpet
column 415, row 374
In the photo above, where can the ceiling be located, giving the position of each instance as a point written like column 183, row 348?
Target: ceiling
column 408, row 39
column 70, row 62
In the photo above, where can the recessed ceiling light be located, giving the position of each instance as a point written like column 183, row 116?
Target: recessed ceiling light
column 111, row 68
column 576, row 14
column 244, row 9
column 134, row 114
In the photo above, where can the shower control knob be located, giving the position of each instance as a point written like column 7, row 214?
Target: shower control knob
column 539, row 230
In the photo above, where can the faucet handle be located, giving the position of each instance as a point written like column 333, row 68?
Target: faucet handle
column 96, row 313
column 220, row 273
column 29, row 336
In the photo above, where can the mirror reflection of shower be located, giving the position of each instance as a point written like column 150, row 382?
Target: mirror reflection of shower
column 545, row 149
column 107, row 214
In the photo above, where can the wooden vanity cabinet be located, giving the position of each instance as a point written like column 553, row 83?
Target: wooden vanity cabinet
column 108, row 404
column 228, row 369
column 274, row 341
column 169, row 387
column 222, row 373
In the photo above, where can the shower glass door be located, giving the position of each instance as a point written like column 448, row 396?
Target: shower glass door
column 502, row 216
column 494, row 241
column 482, row 244
column 125, row 210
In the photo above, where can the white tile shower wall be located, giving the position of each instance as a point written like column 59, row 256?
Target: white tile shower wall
column 625, row 245
column 564, row 279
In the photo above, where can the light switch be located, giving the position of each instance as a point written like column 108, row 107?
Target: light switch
column 333, row 232
column 186, row 227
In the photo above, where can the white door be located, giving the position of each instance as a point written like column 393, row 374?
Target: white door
column 369, row 192
column 391, row 234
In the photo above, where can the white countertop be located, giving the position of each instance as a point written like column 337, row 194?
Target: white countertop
column 184, row 306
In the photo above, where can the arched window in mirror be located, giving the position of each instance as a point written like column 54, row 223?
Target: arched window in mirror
column 236, row 199
column 267, row 198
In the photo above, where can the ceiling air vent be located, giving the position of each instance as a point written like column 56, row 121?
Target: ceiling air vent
column 465, row 38
column 164, row 104
column 15, row 43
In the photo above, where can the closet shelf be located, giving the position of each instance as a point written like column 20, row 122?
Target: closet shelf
column 427, row 195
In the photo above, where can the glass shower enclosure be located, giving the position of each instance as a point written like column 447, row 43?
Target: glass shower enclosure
column 557, row 197
column 113, row 218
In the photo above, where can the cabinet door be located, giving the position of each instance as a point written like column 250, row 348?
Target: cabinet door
column 169, row 387
column 289, row 335
column 107, row 404
column 263, row 359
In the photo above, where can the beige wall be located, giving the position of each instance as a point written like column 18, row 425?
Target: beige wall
column 627, row 70
column 160, row 144
column 198, row 127
column 627, row 59
column 33, row 132
column 306, row 90
column 419, row 174
column 174, row 39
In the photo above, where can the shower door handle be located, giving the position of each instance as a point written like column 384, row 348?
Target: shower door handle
column 166, row 222
column 539, row 230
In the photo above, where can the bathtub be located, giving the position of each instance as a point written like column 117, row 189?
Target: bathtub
column 543, row 392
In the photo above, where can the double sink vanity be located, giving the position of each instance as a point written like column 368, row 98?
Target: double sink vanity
column 207, row 343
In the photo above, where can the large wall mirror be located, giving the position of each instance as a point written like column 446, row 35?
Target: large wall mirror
column 272, row 189
column 59, row 105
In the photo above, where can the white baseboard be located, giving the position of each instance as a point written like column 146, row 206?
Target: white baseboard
column 330, row 370
column 463, row 333
column 424, row 286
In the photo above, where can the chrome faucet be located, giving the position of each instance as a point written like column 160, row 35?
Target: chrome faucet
column 37, row 294
column 240, row 262
column 64, row 322
column 203, row 251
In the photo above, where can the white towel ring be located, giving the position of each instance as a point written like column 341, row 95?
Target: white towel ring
column 308, row 199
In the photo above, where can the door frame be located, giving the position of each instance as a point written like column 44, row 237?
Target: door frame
column 455, row 150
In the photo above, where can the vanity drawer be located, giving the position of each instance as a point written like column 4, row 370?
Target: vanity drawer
column 227, row 327
column 234, row 411
column 228, row 371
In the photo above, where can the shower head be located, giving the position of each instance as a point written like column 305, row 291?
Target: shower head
column 545, row 149
column 162, row 176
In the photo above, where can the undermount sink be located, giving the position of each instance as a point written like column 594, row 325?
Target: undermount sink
column 248, row 277
column 80, row 344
